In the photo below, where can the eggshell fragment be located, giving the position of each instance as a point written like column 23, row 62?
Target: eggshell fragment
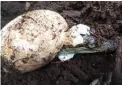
column 33, row 39
column 66, row 55
column 77, row 32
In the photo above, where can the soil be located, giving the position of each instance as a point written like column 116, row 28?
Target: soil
column 103, row 17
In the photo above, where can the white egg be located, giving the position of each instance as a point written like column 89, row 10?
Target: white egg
column 33, row 39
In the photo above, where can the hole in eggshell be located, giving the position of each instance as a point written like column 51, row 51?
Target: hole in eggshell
column 59, row 23
column 82, row 34
column 60, row 30
column 25, row 60
column 32, row 56
column 12, row 57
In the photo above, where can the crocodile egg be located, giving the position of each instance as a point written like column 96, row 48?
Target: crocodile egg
column 32, row 39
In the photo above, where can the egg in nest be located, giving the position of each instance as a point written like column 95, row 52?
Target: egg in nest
column 33, row 39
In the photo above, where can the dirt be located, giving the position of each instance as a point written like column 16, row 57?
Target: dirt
column 103, row 17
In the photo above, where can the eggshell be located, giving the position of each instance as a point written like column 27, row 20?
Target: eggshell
column 76, row 33
column 33, row 39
